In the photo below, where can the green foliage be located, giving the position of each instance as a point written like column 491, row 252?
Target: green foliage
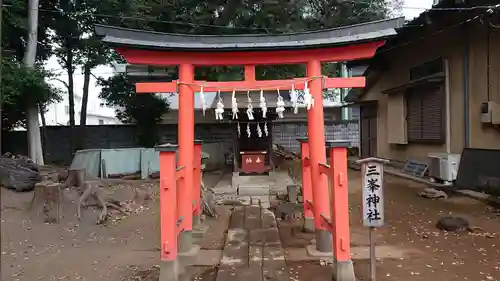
column 144, row 110
column 256, row 16
column 229, row 17
column 20, row 82
column 15, row 29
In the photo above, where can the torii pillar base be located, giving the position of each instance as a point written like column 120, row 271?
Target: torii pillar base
column 343, row 271
column 170, row 270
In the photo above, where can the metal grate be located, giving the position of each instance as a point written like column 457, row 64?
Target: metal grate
column 415, row 168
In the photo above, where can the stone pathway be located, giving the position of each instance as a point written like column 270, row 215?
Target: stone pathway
column 253, row 249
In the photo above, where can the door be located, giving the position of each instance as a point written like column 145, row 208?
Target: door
column 368, row 121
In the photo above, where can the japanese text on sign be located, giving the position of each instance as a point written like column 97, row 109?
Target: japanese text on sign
column 373, row 202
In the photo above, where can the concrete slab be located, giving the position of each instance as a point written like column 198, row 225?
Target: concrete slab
column 203, row 258
column 253, row 190
column 265, row 237
column 237, row 219
column 265, row 204
column 192, row 252
column 239, row 274
column 255, row 257
column 311, row 250
column 225, row 181
column 268, row 219
column 235, row 251
column 200, row 230
column 224, row 190
column 383, row 252
column 256, row 201
column 274, row 264
column 357, row 253
column 170, row 270
column 253, row 219
column 221, row 198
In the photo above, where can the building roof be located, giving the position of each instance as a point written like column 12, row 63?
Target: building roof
column 359, row 33
column 445, row 13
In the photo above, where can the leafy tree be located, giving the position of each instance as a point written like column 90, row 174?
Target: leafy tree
column 18, row 83
column 144, row 110
column 258, row 16
column 15, row 29
column 77, row 46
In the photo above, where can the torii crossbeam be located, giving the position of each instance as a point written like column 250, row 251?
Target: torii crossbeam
column 188, row 51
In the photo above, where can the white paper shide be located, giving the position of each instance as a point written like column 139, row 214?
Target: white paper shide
column 373, row 200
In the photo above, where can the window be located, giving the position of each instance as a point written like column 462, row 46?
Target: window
column 425, row 114
column 101, row 122
column 427, row 69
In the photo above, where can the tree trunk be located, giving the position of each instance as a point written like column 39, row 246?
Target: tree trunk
column 33, row 127
column 71, row 95
column 1, row 67
column 43, row 129
column 83, row 112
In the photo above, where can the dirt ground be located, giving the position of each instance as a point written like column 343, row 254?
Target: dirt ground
column 127, row 249
column 80, row 250
column 410, row 226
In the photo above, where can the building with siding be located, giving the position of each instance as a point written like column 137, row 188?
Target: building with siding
column 435, row 87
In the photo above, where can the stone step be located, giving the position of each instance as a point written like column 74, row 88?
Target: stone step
column 255, row 185
column 257, row 191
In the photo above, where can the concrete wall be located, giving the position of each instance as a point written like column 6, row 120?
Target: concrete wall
column 449, row 45
column 217, row 138
column 483, row 136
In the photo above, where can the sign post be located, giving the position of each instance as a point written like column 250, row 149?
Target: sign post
column 372, row 170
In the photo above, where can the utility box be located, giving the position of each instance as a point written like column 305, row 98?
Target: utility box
column 444, row 166
column 490, row 113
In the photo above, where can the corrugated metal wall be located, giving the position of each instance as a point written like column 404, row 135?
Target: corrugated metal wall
column 286, row 134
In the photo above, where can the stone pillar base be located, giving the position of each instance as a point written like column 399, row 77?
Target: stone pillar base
column 199, row 231
column 344, row 271
column 196, row 221
column 170, row 270
column 308, row 225
column 185, row 241
column 324, row 242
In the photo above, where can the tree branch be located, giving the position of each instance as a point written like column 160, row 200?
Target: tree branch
column 93, row 75
column 62, row 81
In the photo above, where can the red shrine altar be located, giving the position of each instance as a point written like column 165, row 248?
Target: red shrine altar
column 179, row 182
column 253, row 161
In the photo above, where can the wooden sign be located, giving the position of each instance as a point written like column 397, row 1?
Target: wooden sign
column 373, row 191
column 372, row 170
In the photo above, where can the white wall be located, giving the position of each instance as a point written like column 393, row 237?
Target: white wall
column 58, row 113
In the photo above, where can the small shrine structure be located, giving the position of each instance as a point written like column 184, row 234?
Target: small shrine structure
column 179, row 182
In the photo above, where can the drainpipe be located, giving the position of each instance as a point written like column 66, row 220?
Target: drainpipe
column 466, row 96
column 447, row 105
column 343, row 92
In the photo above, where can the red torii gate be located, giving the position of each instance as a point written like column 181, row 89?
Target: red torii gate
column 312, row 48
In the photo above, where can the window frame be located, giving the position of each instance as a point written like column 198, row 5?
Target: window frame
column 421, row 94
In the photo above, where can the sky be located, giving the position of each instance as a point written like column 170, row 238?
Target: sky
column 412, row 8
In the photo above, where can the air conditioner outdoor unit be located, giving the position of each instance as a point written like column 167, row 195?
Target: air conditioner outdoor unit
column 443, row 166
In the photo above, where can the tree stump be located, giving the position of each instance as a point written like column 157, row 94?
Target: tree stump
column 76, row 178
column 47, row 197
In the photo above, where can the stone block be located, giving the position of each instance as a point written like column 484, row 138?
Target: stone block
column 244, row 191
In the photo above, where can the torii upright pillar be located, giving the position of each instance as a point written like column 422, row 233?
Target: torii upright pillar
column 186, row 156
column 317, row 152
